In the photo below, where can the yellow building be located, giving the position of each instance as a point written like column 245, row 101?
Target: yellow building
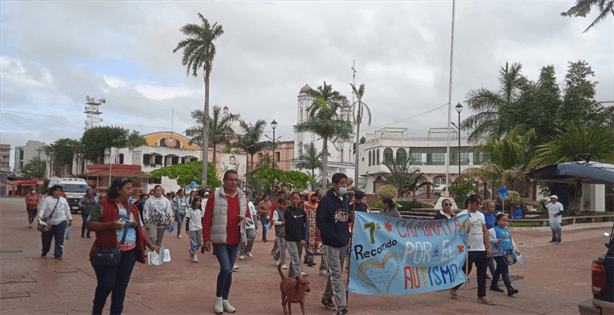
column 171, row 140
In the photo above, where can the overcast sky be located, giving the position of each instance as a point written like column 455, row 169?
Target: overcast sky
column 55, row 53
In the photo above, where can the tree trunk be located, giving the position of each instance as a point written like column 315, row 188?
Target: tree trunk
column 358, row 121
column 203, row 180
column 324, row 164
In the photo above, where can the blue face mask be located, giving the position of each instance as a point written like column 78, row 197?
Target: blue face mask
column 343, row 190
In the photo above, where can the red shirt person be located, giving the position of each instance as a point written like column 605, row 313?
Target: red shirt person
column 222, row 223
column 32, row 202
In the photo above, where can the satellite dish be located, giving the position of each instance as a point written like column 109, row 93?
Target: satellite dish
column 103, row 100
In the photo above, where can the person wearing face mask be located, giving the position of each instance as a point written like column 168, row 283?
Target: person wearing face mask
column 32, row 201
column 332, row 218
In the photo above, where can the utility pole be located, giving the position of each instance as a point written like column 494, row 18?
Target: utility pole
column 447, row 194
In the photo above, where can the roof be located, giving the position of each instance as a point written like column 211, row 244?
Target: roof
column 304, row 89
column 570, row 172
column 118, row 170
column 33, row 182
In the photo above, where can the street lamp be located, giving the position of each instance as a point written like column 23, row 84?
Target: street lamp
column 459, row 109
column 273, row 125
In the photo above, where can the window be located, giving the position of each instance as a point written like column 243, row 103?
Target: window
column 158, row 159
column 401, row 154
column 378, row 160
column 388, row 155
column 438, row 158
column 369, row 158
column 121, row 158
column 155, row 180
column 21, row 154
column 161, row 143
column 416, row 158
column 278, row 156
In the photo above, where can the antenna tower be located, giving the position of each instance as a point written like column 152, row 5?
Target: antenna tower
column 92, row 112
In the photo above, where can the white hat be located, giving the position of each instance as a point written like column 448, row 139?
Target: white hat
column 555, row 197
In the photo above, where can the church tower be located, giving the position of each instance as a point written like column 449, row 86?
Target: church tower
column 302, row 140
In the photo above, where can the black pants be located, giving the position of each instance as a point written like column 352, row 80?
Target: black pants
column 113, row 279
column 58, row 232
column 481, row 261
column 84, row 217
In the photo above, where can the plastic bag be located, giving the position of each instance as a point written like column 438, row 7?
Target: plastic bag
column 522, row 260
column 555, row 224
column 153, row 258
column 67, row 233
column 171, row 228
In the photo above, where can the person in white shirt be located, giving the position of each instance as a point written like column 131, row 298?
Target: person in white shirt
column 478, row 250
column 157, row 215
column 555, row 213
column 55, row 210
column 248, row 237
column 194, row 226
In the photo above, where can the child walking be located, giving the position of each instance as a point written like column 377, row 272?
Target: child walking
column 295, row 220
column 194, row 226
column 503, row 245
column 280, row 232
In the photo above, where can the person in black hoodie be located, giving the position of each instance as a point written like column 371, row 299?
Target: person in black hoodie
column 295, row 219
column 332, row 218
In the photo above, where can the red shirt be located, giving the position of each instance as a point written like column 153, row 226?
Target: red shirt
column 32, row 201
column 233, row 231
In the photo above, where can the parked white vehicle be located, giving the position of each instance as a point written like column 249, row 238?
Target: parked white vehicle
column 74, row 188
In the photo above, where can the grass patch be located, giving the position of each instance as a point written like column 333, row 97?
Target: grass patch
column 523, row 224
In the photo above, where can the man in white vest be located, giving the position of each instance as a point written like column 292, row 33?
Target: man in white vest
column 225, row 210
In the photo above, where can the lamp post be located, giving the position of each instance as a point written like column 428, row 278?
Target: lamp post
column 459, row 109
column 273, row 125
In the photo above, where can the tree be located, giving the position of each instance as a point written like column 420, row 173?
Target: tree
column 358, row 112
column 311, row 160
column 414, row 182
column 198, row 52
column 62, row 152
column 400, row 169
column 292, row 180
column 579, row 105
column 583, row 8
column 35, row 168
column 493, row 107
column 95, row 141
column 325, row 122
column 250, row 142
column 135, row 139
column 266, row 161
column 594, row 141
column 187, row 173
column 220, row 130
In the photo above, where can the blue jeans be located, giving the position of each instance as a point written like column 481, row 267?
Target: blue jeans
column 179, row 217
column 264, row 221
column 113, row 279
column 57, row 231
column 503, row 270
column 226, row 256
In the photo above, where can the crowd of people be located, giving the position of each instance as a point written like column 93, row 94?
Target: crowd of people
column 226, row 222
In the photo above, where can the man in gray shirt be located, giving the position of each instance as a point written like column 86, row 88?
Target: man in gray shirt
column 389, row 209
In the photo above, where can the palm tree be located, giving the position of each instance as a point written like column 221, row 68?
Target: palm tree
column 311, row 160
column 413, row 182
column 198, row 52
column 250, row 142
column 583, row 7
column 219, row 128
column 324, row 121
column 594, row 141
column 491, row 106
column 358, row 110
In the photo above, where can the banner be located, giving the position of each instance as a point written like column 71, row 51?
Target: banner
column 394, row 256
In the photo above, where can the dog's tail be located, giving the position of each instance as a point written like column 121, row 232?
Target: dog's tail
column 280, row 272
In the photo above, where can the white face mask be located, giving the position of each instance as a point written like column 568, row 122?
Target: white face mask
column 343, row 190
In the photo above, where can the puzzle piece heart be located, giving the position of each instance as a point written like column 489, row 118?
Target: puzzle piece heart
column 379, row 275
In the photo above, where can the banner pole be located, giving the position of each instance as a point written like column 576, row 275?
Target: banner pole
column 467, row 257
column 347, row 293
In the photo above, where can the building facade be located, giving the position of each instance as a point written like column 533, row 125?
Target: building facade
column 5, row 156
column 428, row 155
column 24, row 154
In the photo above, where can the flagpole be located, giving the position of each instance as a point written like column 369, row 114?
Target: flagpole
column 347, row 293
column 450, row 108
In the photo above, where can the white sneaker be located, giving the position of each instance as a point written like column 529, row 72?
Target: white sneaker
column 235, row 267
column 179, row 236
column 284, row 267
column 30, row 226
column 227, row 307
column 241, row 257
column 218, row 308
column 323, row 273
column 249, row 255
column 195, row 259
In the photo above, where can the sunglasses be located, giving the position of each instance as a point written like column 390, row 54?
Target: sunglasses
column 447, row 204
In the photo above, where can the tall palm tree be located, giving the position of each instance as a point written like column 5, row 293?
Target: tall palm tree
column 219, row 128
column 358, row 111
column 400, row 169
column 198, row 52
column 583, row 7
column 250, row 142
column 311, row 160
column 324, row 121
column 594, row 141
column 491, row 106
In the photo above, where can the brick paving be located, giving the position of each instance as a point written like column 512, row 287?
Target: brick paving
column 556, row 280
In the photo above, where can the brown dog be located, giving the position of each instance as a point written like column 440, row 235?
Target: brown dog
column 293, row 291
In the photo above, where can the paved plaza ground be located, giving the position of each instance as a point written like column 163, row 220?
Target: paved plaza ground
column 556, row 279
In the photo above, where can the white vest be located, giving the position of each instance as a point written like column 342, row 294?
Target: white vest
column 219, row 220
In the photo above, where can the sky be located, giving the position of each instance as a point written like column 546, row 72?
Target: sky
column 54, row 54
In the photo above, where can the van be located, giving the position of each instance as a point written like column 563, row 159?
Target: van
column 74, row 188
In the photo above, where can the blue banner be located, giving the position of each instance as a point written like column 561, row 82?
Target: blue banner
column 394, row 256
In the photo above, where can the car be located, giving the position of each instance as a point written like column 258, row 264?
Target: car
column 602, row 268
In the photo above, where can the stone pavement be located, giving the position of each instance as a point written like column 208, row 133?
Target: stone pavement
column 556, row 279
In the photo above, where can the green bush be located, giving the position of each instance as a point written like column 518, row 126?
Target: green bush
column 377, row 205
column 387, row 191
column 463, row 190
column 513, row 198
column 408, row 205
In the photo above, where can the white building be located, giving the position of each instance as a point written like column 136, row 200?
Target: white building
column 341, row 156
column 25, row 153
column 429, row 156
